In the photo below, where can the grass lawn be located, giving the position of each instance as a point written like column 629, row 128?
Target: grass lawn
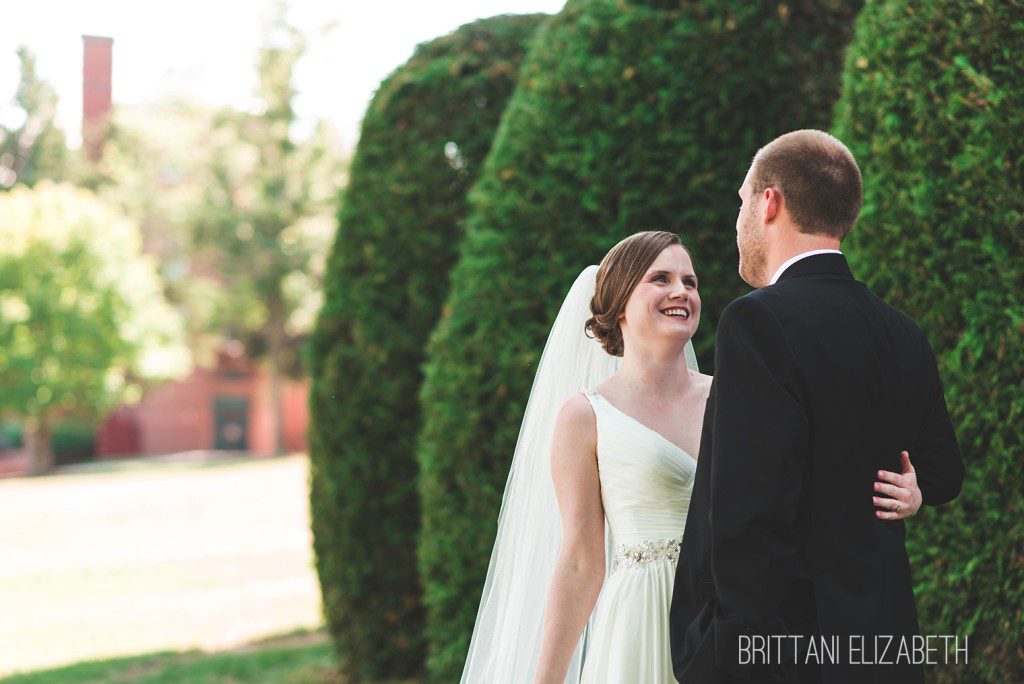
column 300, row 657
column 137, row 557
column 304, row 657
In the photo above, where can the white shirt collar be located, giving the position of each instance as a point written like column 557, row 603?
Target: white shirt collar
column 797, row 258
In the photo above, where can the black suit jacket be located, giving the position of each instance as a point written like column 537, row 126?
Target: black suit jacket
column 818, row 385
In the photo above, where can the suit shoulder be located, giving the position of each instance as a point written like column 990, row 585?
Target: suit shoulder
column 755, row 305
column 905, row 320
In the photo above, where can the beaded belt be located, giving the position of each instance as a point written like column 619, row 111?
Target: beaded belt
column 645, row 553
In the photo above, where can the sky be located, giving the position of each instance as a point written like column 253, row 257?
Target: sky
column 206, row 49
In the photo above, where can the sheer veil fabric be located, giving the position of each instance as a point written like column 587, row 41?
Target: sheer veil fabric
column 506, row 637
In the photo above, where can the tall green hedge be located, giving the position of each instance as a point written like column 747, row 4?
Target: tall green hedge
column 933, row 109
column 628, row 116
column 423, row 142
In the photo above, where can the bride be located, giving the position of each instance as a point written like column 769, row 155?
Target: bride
column 580, row 580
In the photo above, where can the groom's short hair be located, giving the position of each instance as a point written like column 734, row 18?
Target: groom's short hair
column 818, row 178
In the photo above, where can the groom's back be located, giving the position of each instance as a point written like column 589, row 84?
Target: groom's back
column 870, row 390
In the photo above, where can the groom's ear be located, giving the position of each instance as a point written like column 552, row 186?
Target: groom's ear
column 772, row 204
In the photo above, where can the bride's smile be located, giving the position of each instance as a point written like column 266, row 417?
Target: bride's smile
column 680, row 311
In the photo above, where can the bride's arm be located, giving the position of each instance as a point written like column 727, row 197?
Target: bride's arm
column 579, row 568
column 902, row 494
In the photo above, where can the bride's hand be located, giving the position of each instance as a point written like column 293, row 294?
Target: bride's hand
column 902, row 487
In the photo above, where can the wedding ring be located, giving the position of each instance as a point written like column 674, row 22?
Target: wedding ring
column 897, row 508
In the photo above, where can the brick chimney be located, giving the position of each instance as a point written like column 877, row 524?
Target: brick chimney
column 96, row 68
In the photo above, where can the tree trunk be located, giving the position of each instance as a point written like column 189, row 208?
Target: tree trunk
column 276, row 402
column 37, row 441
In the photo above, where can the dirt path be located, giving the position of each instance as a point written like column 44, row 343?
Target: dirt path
column 153, row 557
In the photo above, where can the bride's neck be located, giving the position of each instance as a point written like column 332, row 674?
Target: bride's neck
column 656, row 371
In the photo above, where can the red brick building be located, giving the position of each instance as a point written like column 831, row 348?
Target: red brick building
column 225, row 407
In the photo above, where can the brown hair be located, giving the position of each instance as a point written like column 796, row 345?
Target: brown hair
column 620, row 271
column 818, row 178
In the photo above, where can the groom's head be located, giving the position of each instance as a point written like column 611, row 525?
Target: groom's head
column 802, row 188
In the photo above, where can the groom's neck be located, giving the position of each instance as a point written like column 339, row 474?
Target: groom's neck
column 790, row 242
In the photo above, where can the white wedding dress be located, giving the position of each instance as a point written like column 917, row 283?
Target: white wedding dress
column 645, row 487
column 646, row 483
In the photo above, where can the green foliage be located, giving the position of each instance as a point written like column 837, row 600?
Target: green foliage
column 423, row 141
column 73, row 441
column 35, row 149
column 934, row 111
column 82, row 315
column 83, row 320
column 628, row 116
column 10, row 435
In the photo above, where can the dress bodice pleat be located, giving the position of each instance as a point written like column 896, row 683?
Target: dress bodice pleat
column 646, row 480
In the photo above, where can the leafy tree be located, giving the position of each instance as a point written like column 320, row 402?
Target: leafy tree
column 933, row 109
column 36, row 148
column 423, row 142
column 154, row 168
column 628, row 116
column 262, row 222
column 83, row 321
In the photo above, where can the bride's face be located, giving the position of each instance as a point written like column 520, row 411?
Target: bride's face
column 665, row 303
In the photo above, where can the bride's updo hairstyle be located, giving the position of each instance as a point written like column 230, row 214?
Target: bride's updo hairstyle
column 620, row 271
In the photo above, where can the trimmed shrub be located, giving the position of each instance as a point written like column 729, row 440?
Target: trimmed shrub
column 11, row 436
column 628, row 116
column 933, row 109
column 73, row 441
column 423, row 141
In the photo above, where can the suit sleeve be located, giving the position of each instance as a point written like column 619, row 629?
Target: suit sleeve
column 758, row 466
column 936, row 454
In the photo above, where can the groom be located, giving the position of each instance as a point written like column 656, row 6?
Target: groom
column 786, row 573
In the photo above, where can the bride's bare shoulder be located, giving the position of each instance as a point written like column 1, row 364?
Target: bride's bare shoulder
column 577, row 410
column 576, row 420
